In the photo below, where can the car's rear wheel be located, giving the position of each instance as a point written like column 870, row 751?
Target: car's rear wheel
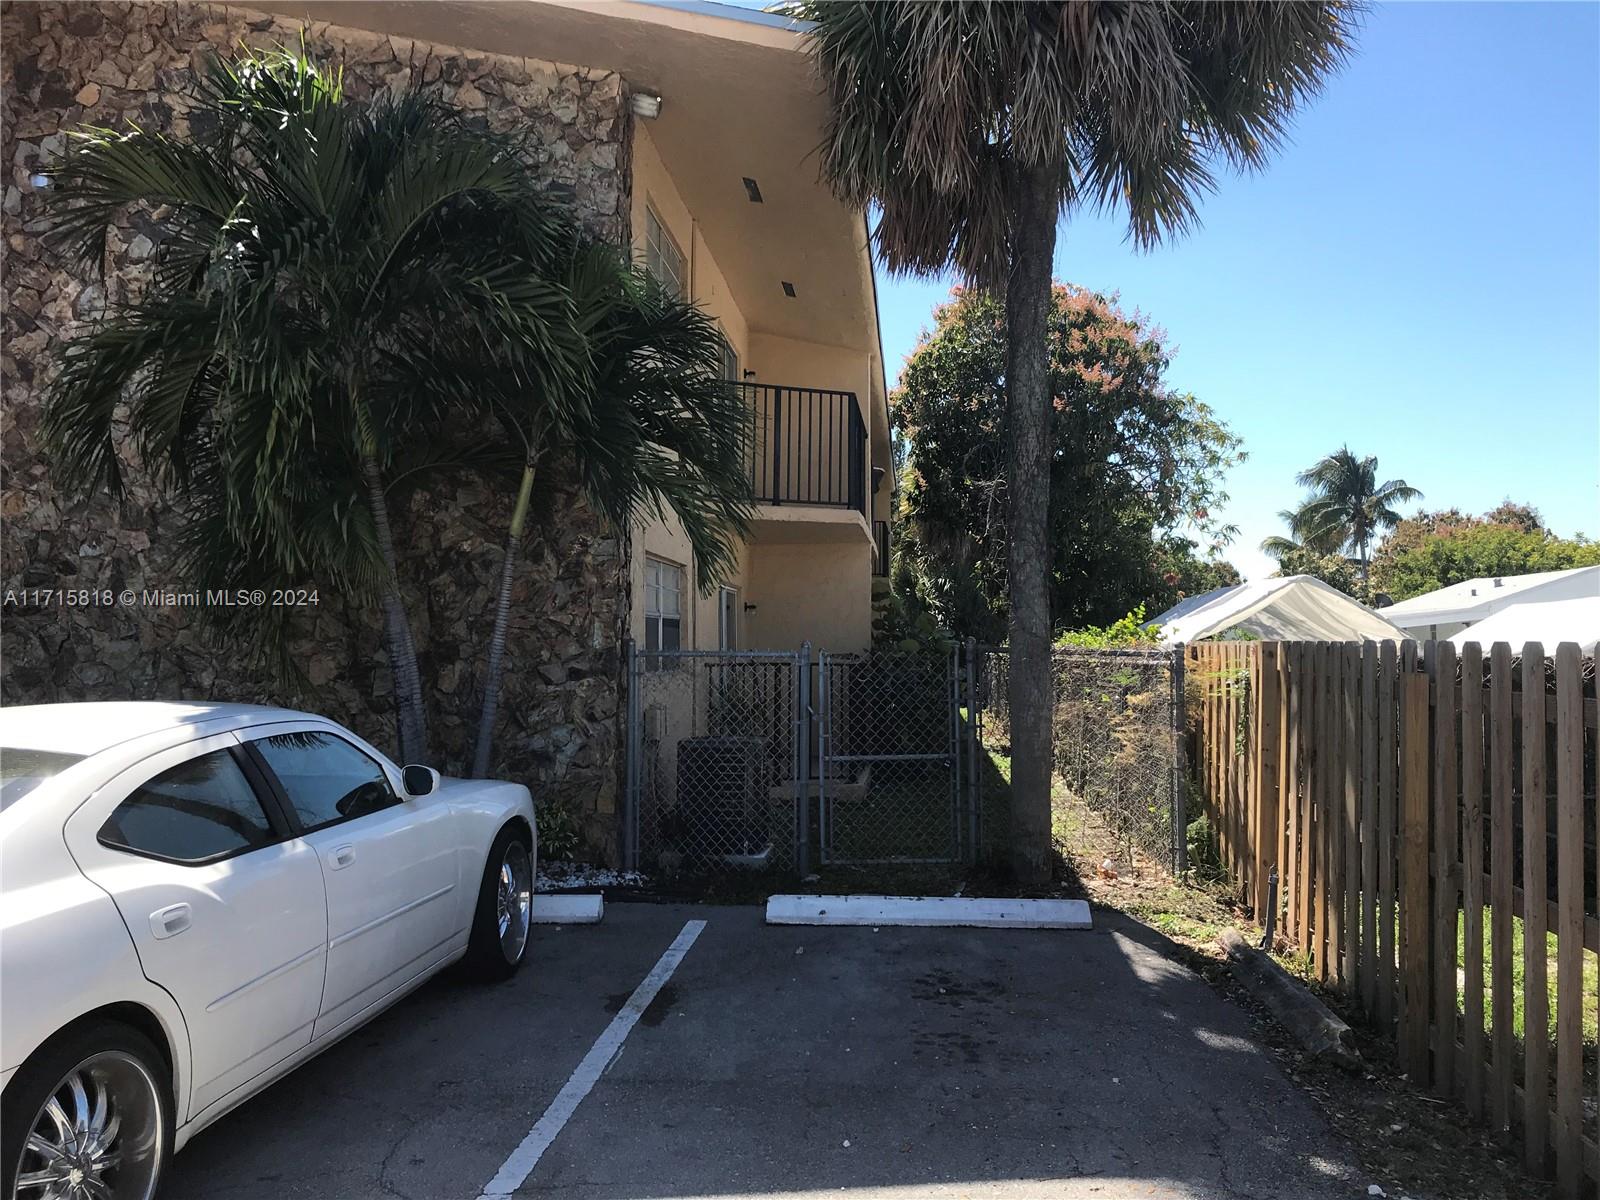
column 88, row 1117
column 501, row 925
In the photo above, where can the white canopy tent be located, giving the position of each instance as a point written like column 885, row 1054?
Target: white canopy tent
column 1292, row 609
column 1549, row 623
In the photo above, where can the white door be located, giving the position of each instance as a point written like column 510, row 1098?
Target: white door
column 389, row 866
column 225, row 906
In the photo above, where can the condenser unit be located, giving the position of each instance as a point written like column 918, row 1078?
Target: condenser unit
column 722, row 801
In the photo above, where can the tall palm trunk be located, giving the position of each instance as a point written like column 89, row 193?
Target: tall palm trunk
column 1028, row 417
column 410, row 714
column 502, row 619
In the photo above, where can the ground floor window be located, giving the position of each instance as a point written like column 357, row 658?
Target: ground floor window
column 663, row 609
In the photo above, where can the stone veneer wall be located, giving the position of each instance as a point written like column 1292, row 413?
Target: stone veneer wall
column 67, row 64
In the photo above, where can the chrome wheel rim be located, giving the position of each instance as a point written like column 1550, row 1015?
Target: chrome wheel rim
column 513, row 906
column 98, row 1136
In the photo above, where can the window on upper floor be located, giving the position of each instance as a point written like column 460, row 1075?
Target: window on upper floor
column 662, row 258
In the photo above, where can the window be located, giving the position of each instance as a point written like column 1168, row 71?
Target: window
column 663, row 609
column 326, row 778
column 730, row 362
column 23, row 770
column 662, row 258
column 195, row 812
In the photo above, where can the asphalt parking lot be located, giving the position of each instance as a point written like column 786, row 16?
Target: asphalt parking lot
column 795, row 1062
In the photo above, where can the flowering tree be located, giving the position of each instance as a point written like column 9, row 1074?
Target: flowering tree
column 1435, row 549
column 1136, row 466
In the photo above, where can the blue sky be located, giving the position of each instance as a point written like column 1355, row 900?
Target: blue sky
column 1416, row 274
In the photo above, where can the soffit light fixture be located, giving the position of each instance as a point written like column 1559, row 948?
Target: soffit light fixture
column 753, row 190
column 788, row 289
column 645, row 105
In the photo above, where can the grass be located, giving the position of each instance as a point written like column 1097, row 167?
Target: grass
column 908, row 812
column 1083, row 842
column 1591, row 982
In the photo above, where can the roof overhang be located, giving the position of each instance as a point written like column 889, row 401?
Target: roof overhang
column 739, row 99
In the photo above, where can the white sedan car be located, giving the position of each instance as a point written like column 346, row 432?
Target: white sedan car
column 199, row 897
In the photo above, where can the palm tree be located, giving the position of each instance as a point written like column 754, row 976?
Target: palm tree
column 332, row 279
column 657, row 428
column 1304, row 537
column 973, row 126
column 1348, row 506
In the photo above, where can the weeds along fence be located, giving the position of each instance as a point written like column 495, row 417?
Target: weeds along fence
column 1116, row 726
column 1421, row 825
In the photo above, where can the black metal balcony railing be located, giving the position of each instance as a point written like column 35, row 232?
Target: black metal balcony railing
column 808, row 446
column 880, row 548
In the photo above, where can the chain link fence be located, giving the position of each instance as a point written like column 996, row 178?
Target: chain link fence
column 1116, row 742
column 717, row 742
column 1117, row 729
column 890, row 752
column 743, row 760
column 991, row 737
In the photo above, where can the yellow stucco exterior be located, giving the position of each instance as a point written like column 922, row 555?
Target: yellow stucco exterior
column 806, row 572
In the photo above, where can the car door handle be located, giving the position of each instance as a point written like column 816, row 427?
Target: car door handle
column 170, row 921
column 341, row 856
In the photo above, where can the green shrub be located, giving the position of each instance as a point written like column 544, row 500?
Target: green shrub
column 1205, row 861
column 1128, row 631
column 560, row 830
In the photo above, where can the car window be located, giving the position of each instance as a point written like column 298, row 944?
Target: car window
column 326, row 778
column 198, row 810
column 23, row 770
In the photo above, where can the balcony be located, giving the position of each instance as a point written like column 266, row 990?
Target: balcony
column 808, row 447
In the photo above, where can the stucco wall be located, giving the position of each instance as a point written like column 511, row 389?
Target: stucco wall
column 815, row 582
column 663, row 537
column 66, row 64
column 654, row 185
column 819, row 592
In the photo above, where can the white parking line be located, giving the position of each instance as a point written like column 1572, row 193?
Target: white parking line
column 526, row 1157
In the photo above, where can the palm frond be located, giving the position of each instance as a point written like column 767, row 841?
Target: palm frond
column 934, row 107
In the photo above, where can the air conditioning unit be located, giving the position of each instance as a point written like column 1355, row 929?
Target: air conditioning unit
column 722, row 801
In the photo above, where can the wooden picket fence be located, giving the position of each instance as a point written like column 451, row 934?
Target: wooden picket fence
column 1365, row 775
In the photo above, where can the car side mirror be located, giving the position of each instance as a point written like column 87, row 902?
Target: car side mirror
column 419, row 780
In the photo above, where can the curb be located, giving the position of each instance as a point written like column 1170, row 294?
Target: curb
column 1307, row 1019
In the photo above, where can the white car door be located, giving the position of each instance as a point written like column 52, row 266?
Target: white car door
column 224, row 904
column 389, row 863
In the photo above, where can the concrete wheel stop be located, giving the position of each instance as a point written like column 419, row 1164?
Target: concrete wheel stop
column 568, row 908
column 975, row 912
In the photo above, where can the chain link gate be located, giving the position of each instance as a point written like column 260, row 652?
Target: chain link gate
column 890, row 740
column 717, row 760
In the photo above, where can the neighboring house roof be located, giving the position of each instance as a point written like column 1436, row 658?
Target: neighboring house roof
column 1548, row 622
column 1474, row 599
column 1295, row 608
